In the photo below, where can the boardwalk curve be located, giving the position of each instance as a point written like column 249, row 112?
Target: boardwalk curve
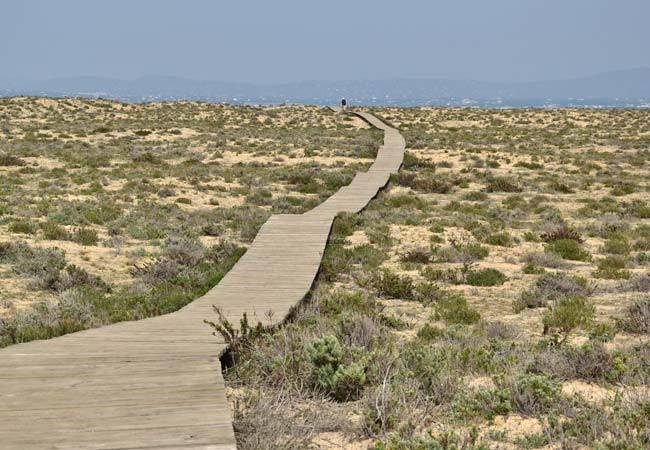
column 156, row 383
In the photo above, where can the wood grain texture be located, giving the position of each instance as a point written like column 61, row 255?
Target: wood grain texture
column 156, row 383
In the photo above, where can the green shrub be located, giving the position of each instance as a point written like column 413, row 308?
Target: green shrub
column 568, row 313
column 499, row 239
column 602, row 332
column 533, row 269
column 391, row 285
column 53, row 231
column 617, row 245
column 429, row 333
column 484, row 403
column 39, row 261
column 475, row 251
column 568, row 249
column 503, row 184
column 612, row 268
column 534, row 394
column 454, row 309
column 367, row 255
column 485, row 277
column 85, row 236
column 22, row 227
column 340, row 381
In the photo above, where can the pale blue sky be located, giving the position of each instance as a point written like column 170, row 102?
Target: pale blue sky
column 289, row 40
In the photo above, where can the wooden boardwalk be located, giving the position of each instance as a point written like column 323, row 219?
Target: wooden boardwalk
column 156, row 383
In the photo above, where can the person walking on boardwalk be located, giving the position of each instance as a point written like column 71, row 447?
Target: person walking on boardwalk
column 344, row 103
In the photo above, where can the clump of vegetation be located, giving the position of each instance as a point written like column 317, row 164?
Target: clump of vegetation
column 638, row 317
column 612, row 268
column 552, row 287
column 391, row 285
column 568, row 249
column 454, row 309
column 343, row 382
column 562, row 233
column 568, row 313
column 503, row 184
column 485, row 277
column 11, row 160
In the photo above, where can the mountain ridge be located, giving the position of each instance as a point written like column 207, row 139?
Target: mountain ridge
column 616, row 88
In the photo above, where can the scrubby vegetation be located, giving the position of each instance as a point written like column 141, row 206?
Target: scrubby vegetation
column 112, row 211
column 495, row 295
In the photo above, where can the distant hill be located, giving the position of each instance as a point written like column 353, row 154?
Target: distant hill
column 620, row 88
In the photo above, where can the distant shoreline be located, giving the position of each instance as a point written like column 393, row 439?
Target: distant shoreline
column 497, row 103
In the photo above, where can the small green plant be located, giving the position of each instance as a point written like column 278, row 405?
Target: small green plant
column 343, row 382
column 568, row 249
column 485, row 277
column 485, row 403
column 54, row 231
column 617, row 245
column 567, row 314
column 391, row 285
column 602, row 332
column 533, row 269
column 503, row 184
column 454, row 309
column 612, row 268
column 416, row 256
column 237, row 339
column 534, row 394
column 22, row 227
column 85, row 236
column 500, row 239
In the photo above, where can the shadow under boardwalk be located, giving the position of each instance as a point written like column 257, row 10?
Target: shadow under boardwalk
column 156, row 383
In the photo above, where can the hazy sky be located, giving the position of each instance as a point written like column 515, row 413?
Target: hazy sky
column 289, row 40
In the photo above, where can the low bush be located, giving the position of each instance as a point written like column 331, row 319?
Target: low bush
column 418, row 255
column 22, row 227
column 85, row 236
column 10, row 160
column 540, row 259
column 612, row 268
column 391, row 285
column 55, row 232
column 534, row 394
column 485, row 277
column 503, row 184
column 454, row 309
column 568, row 313
column 551, row 287
column 483, row 403
column 562, row 233
column 590, row 361
column 641, row 282
column 638, row 317
column 343, row 382
column 568, row 249
column 617, row 245
column 500, row 239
